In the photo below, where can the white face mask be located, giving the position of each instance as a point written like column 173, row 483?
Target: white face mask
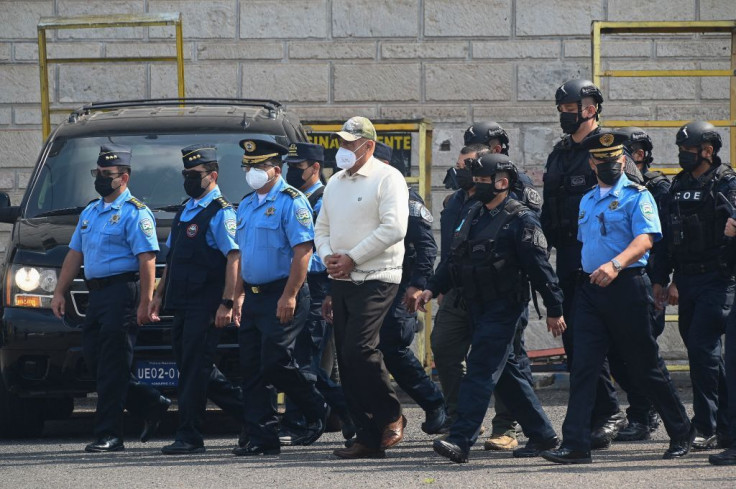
column 345, row 159
column 257, row 178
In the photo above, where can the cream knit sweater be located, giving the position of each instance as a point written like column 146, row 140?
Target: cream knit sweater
column 365, row 215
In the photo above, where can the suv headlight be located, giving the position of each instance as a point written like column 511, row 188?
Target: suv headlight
column 28, row 286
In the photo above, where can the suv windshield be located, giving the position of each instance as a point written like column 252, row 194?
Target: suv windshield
column 64, row 184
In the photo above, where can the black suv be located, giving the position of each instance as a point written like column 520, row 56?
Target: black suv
column 41, row 364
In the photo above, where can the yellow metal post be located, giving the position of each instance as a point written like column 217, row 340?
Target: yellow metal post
column 595, row 40
column 43, row 69
column 180, row 58
column 733, row 97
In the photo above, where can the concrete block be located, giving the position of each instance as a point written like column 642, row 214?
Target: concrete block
column 613, row 110
column 467, row 18
column 332, row 50
column 202, row 80
column 440, row 113
column 27, row 115
column 7, row 179
column 534, row 18
column 136, row 49
column 376, row 82
column 634, row 10
column 5, row 50
column 540, row 81
column 660, row 88
column 719, row 47
column 90, row 83
column 446, row 145
column 287, row 82
column 101, row 7
column 717, row 9
column 297, row 19
column 367, row 18
column 332, row 112
column 689, row 112
column 6, row 116
column 213, row 19
column 27, row 51
column 538, row 142
column 424, row 50
column 24, row 176
column 239, row 50
column 21, row 18
column 516, row 49
column 465, row 81
column 715, row 88
column 609, row 49
column 527, row 112
column 20, row 149
column 19, row 84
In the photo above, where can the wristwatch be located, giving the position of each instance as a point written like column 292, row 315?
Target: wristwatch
column 227, row 303
column 616, row 265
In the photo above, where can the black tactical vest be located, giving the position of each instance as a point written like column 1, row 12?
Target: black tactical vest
column 195, row 273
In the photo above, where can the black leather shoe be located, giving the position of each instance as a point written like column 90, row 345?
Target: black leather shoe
column 106, row 444
column 434, row 420
column 154, row 417
column 634, row 432
column 566, row 456
column 450, row 450
column 254, row 449
column 535, row 448
column 724, row 458
column 181, row 448
column 681, row 446
column 604, row 433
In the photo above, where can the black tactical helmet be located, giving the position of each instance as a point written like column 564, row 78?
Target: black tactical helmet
column 484, row 132
column 637, row 137
column 490, row 164
column 696, row 133
column 573, row 91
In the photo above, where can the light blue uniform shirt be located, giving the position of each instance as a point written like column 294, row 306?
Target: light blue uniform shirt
column 110, row 239
column 316, row 265
column 607, row 225
column 268, row 231
column 221, row 231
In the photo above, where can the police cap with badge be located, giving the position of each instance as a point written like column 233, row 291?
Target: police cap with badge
column 198, row 154
column 299, row 152
column 257, row 151
column 605, row 145
column 114, row 155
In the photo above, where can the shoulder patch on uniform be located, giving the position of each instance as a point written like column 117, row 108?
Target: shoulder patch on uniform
column 417, row 209
column 647, row 209
column 230, row 226
column 535, row 237
column 303, row 215
column 136, row 203
column 638, row 187
column 532, row 198
column 146, row 225
column 223, row 203
column 291, row 192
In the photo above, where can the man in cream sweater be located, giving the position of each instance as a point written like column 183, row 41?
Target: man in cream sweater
column 359, row 235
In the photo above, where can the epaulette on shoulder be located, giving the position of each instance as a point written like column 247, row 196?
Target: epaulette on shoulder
column 223, row 203
column 638, row 187
column 136, row 203
column 291, row 192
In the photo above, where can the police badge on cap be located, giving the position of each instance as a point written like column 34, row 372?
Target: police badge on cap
column 114, row 155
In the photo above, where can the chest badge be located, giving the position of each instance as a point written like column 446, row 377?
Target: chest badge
column 613, row 205
column 115, row 218
column 270, row 211
column 85, row 224
column 581, row 216
column 192, row 230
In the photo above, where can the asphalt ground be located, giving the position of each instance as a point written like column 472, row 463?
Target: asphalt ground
column 58, row 460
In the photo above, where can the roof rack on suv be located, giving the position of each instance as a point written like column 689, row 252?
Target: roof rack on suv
column 270, row 105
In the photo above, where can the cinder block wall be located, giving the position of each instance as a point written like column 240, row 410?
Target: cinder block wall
column 452, row 61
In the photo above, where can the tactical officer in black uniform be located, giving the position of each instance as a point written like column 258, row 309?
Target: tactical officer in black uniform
column 641, row 415
column 198, row 285
column 498, row 249
column 567, row 178
column 696, row 250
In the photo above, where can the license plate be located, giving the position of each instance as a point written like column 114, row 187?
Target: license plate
column 157, row 374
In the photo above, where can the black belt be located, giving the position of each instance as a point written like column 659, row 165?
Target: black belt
column 275, row 286
column 698, row 268
column 101, row 283
column 585, row 277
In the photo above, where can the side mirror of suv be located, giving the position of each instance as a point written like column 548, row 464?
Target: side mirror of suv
column 8, row 213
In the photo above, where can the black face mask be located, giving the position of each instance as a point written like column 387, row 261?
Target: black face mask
column 294, row 177
column 464, row 178
column 103, row 185
column 609, row 172
column 486, row 192
column 193, row 186
column 688, row 161
column 570, row 121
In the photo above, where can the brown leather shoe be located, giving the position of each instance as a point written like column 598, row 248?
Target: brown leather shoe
column 358, row 450
column 393, row 433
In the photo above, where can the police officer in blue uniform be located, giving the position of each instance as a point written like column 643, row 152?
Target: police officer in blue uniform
column 695, row 249
column 567, row 177
column 116, row 242
column 305, row 162
column 400, row 324
column 497, row 250
column 641, row 415
column 275, row 234
column 617, row 226
column 198, row 285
